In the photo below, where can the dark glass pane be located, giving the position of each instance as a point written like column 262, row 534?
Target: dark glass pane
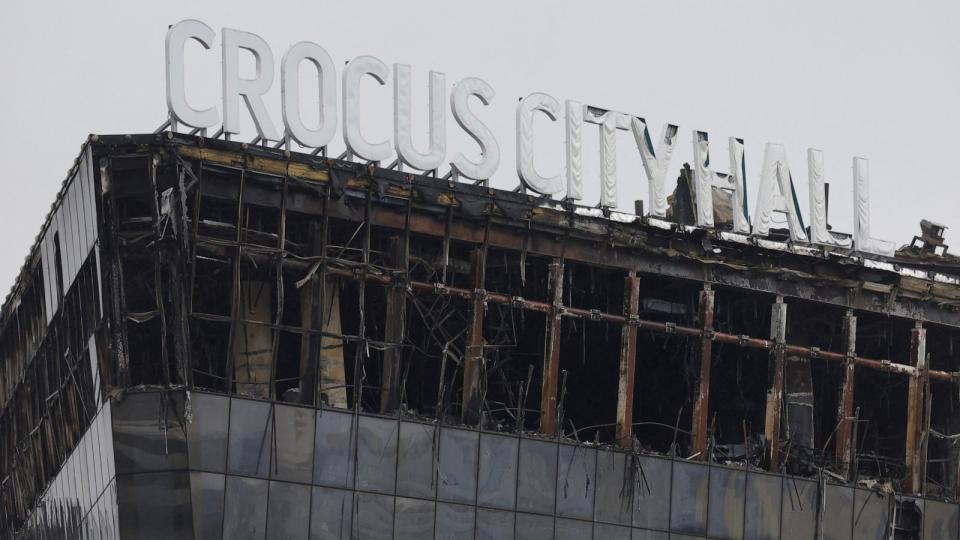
column 939, row 520
column 762, row 507
column 799, row 507
column 149, row 437
column 206, row 497
column 207, row 433
column 414, row 519
column 498, row 471
column 688, row 506
column 726, row 503
column 289, row 514
column 245, row 514
column 615, row 486
column 644, row 534
column 870, row 515
column 838, row 513
column 605, row 531
column 576, row 481
column 457, row 477
column 330, row 514
column 377, row 454
column 373, row 519
column 573, row 529
column 536, row 487
column 155, row 505
column 294, row 448
column 494, row 524
column 415, row 466
column 251, row 437
column 455, row 521
column 534, row 527
column 333, row 457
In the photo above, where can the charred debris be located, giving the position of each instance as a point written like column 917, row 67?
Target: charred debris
column 243, row 269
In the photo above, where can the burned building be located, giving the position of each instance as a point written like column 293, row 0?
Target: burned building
column 213, row 339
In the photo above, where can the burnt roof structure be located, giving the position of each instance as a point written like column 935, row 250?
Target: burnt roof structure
column 180, row 267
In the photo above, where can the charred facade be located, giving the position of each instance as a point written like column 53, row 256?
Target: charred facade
column 220, row 323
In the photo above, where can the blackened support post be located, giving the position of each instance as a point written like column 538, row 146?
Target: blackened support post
column 778, row 333
column 394, row 330
column 916, row 455
column 845, row 447
column 628, row 360
column 702, row 399
column 551, row 351
column 473, row 356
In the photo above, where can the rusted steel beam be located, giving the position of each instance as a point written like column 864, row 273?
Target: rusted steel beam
column 473, row 354
column 845, row 447
column 702, row 400
column 394, row 328
column 778, row 333
column 916, row 455
column 628, row 360
column 551, row 351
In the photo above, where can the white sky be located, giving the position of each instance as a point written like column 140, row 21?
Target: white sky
column 874, row 79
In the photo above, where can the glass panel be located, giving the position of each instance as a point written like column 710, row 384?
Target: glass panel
column 330, row 514
column 536, row 487
column 762, row 506
column 799, row 507
column 250, row 437
column 206, row 496
column 870, row 515
column 207, row 433
column 155, row 505
column 246, row 507
column 415, row 465
column 141, row 442
column 498, row 471
column 573, row 529
column 455, row 521
column 576, row 481
column 333, row 457
column 838, row 513
column 643, row 534
column 615, row 485
column 294, row 448
column 289, row 514
column 414, row 519
column 939, row 520
column 377, row 454
column 688, row 506
column 534, row 527
column 606, row 531
column 374, row 516
column 725, row 518
column 494, row 524
column 457, row 477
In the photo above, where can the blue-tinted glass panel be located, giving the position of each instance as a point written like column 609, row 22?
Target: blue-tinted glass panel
column 335, row 445
column 154, row 505
column 377, row 454
column 457, row 477
column 576, row 481
column 148, row 436
column 416, row 454
column 245, row 514
column 762, row 506
column 838, row 513
column 206, row 497
column 870, row 515
column 373, row 518
column 646, row 534
column 294, row 449
column 498, row 471
column 414, row 519
column 688, row 506
column 939, row 520
column 207, row 433
column 615, row 487
column 799, row 507
column 534, row 527
column 251, row 437
column 455, row 521
column 288, row 516
column 606, row 531
column 494, row 524
column 536, row 487
column 573, row 529
column 725, row 510
column 331, row 514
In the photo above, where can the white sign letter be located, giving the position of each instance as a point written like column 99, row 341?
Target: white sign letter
column 253, row 89
column 356, row 144
column 655, row 162
column 290, row 94
column 818, row 202
column 574, row 130
column 861, row 212
column 705, row 180
column 525, row 168
column 777, row 195
column 177, row 37
column 489, row 149
column 610, row 122
column 402, row 122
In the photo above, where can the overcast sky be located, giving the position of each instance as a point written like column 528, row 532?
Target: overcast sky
column 875, row 79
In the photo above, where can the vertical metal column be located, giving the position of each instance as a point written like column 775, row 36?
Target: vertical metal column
column 778, row 333
column 916, row 454
column 395, row 327
column 701, row 403
column 551, row 351
column 845, row 443
column 473, row 361
column 628, row 360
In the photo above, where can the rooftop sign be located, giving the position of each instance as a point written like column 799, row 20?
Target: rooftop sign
column 777, row 194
